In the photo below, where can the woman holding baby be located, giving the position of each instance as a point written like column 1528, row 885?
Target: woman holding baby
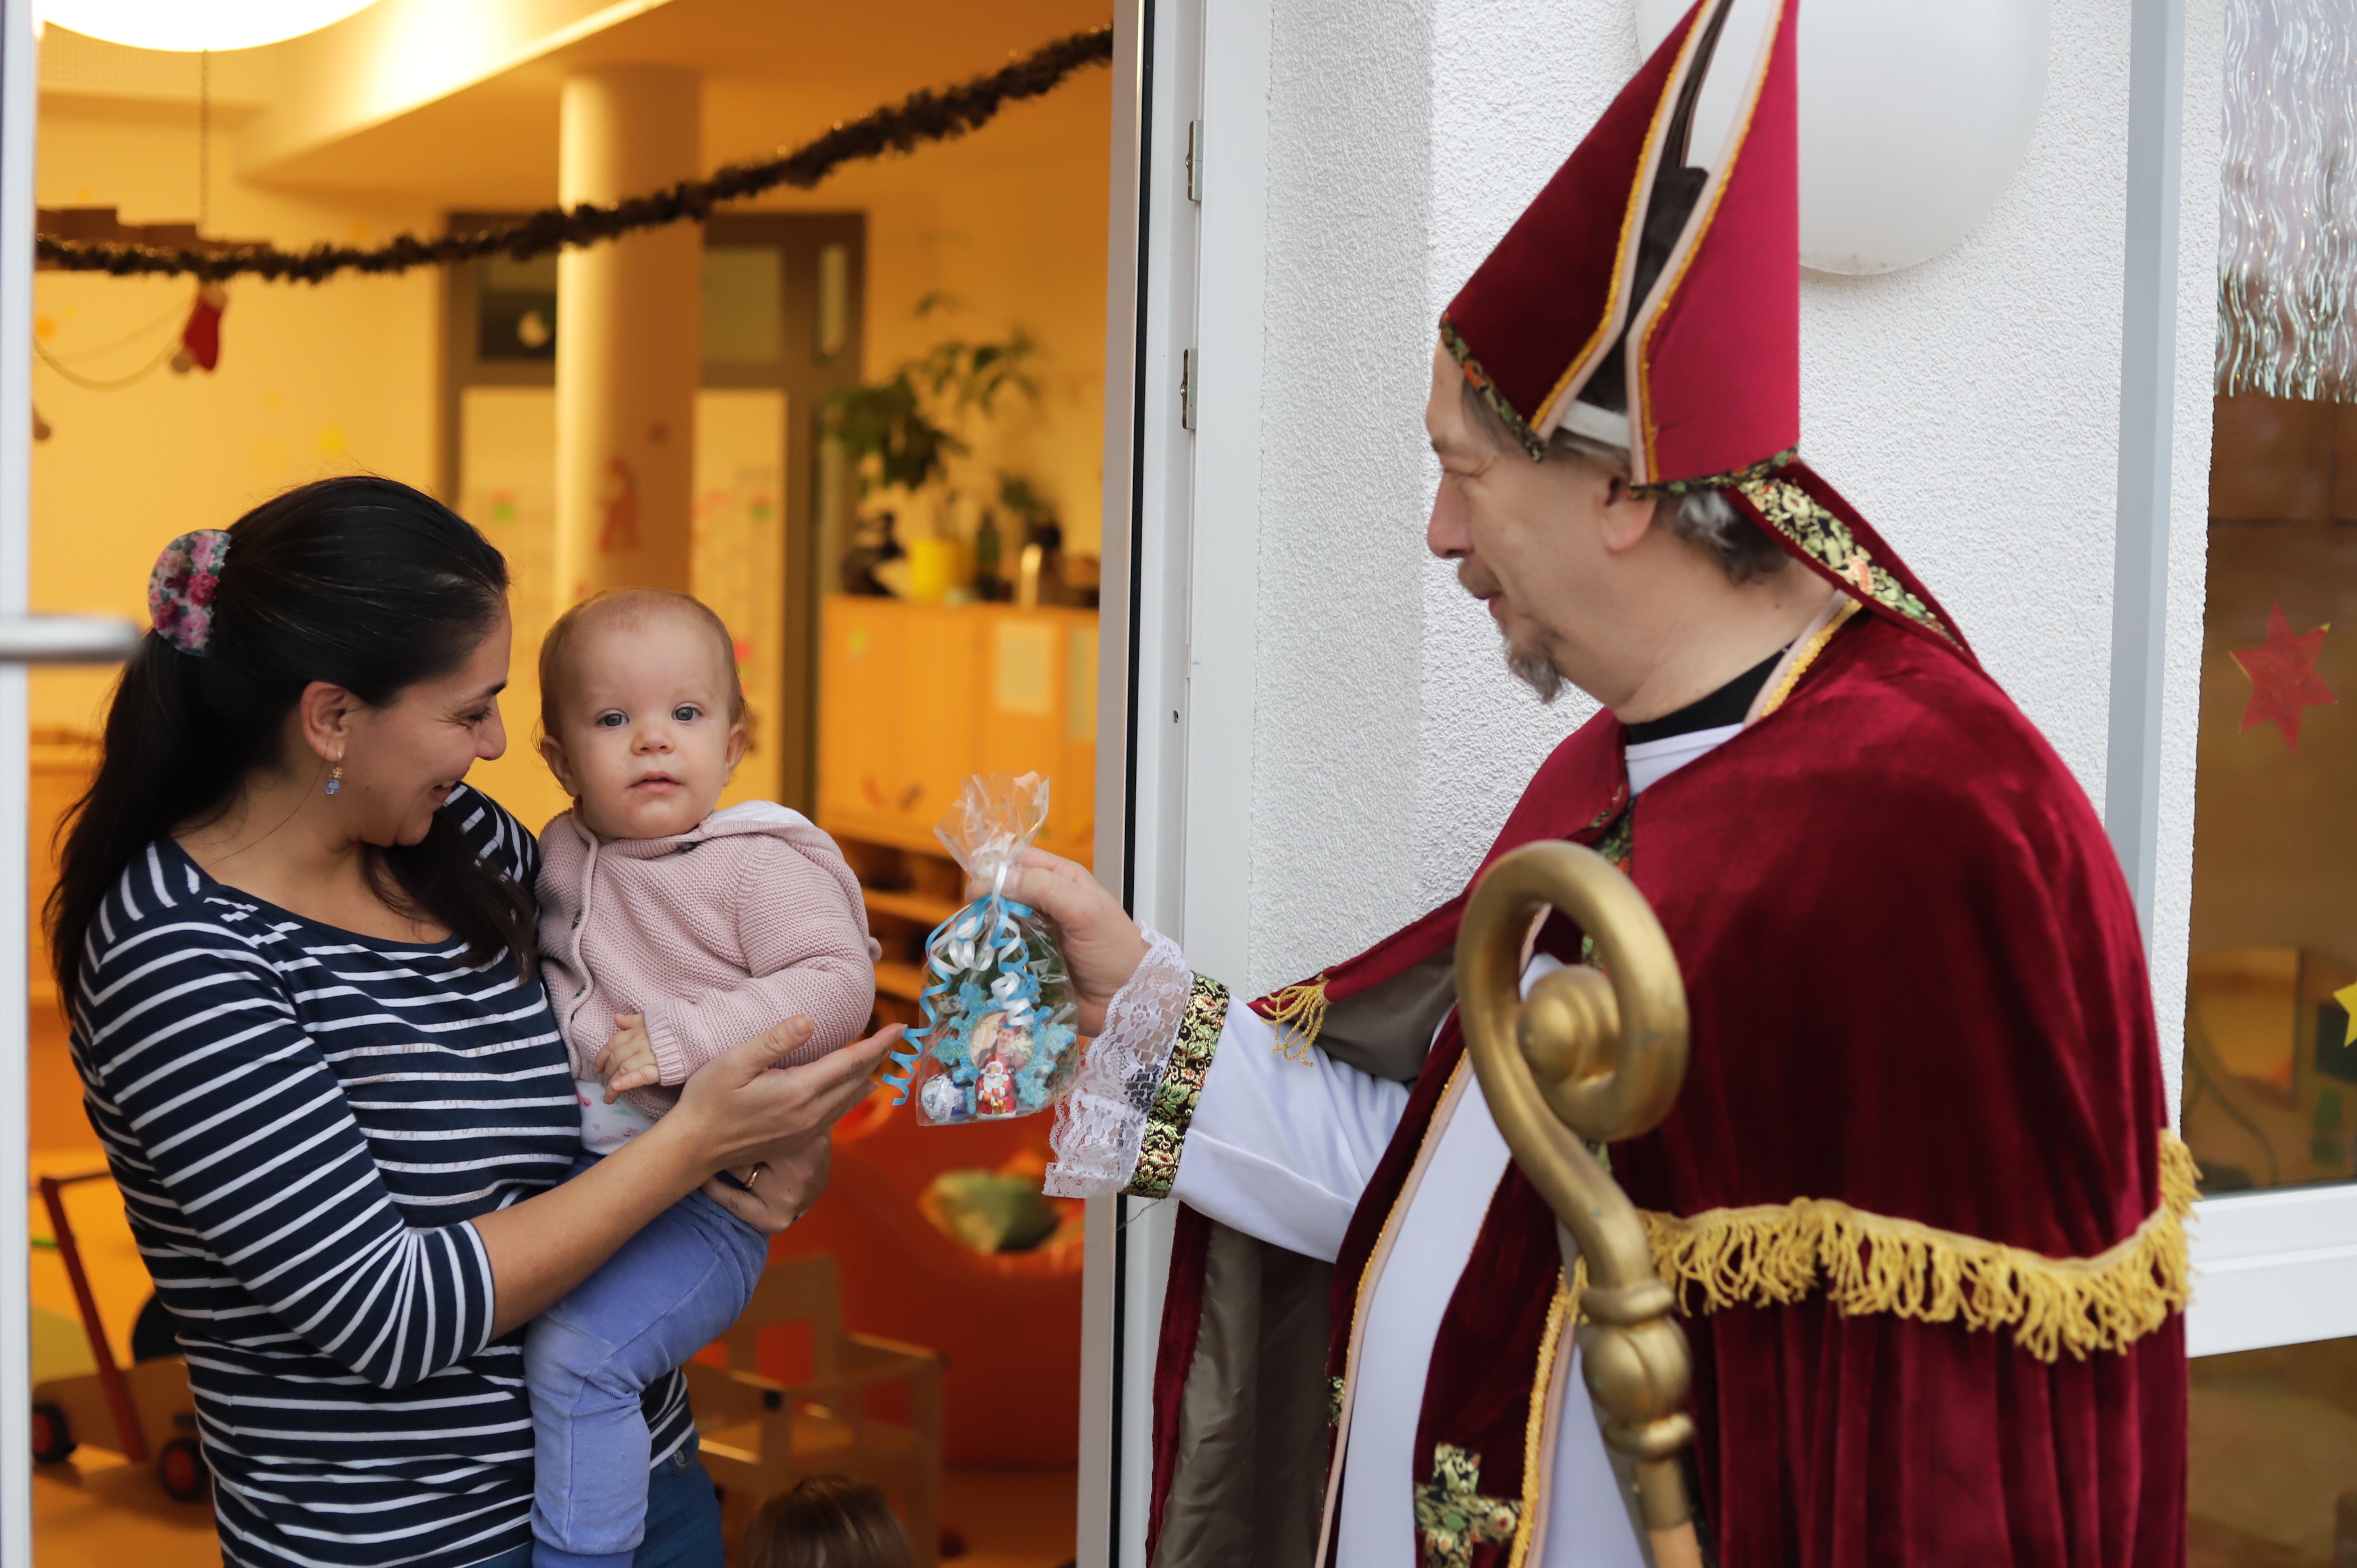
column 303, row 966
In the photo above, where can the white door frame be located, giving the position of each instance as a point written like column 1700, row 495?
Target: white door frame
column 20, row 89
column 1176, row 681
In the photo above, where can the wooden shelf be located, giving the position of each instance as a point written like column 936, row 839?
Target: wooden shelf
column 906, row 981
column 925, row 908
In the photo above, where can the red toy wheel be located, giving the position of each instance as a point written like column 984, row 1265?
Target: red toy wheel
column 53, row 1438
column 182, row 1470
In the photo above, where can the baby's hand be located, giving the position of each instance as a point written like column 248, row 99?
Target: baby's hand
column 628, row 1060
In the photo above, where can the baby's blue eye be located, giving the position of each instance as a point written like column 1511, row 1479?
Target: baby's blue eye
column 611, row 721
column 686, row 714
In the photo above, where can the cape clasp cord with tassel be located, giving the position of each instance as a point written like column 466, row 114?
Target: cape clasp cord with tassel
column 1297, row 1012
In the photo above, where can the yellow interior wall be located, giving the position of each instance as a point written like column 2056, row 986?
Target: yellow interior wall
column 344, row 377
column 311, row 382
column 1013, row 230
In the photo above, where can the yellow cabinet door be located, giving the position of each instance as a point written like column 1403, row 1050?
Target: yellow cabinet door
column 861, row 645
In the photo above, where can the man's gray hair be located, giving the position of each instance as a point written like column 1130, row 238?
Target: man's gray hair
column 1705, row 519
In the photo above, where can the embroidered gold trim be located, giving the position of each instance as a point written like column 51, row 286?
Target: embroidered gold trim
column 1808, row 656
column 1620, row 843
column 1534, row 1435
column 1334, row 1402
column 1487, row 390
column 1777, row 1253
column 1182, row 1088
column 1727, row 482
column 1297, row 1012
column 1826, row 539
column 1452, row 1517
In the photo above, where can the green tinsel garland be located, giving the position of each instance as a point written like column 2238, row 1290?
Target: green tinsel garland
column 922, row 117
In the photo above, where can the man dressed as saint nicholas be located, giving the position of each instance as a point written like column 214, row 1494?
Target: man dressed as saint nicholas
column 1918, row 1199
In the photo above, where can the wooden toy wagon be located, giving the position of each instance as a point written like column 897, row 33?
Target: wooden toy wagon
column 141, row 1411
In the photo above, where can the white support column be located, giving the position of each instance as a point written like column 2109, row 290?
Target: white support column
column 628, row 323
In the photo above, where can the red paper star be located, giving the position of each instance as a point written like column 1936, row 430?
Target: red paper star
column 2283, row 677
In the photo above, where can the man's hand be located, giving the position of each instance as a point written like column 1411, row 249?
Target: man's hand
column 1103, row 946
column 628, row 1060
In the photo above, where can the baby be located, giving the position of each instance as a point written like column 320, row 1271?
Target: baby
column 669, row 933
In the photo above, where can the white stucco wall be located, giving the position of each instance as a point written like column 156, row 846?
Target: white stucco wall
column 1968, row 406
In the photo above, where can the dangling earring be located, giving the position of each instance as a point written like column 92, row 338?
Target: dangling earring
column 336, row 780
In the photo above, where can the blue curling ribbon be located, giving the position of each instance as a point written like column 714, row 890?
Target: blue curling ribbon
column 1004, row 942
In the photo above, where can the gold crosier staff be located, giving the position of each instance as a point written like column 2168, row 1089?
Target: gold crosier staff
column 1592, row 1056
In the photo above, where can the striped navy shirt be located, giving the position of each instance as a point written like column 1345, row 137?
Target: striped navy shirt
column 303, row 1121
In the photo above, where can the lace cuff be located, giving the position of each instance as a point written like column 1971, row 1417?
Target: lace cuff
column 1126, row 1116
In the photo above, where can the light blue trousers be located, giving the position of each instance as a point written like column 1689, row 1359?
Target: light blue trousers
column 672, row 1290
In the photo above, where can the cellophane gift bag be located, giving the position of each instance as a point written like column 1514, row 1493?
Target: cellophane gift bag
column 998, row 1040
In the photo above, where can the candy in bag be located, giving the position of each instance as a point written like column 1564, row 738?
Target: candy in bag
column 998, row 1039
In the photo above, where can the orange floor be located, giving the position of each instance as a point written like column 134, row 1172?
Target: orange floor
column 96, row 1512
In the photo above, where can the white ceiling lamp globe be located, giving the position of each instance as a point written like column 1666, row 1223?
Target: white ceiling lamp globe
column 1915, row 115
column 191, row 25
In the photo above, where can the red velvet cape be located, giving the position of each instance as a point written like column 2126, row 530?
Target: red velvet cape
column 1917, row 987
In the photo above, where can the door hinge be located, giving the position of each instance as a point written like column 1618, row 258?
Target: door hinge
column 1194, row 160
column 1187, row 389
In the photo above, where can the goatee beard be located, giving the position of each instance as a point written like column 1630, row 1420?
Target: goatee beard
column 1534, row 667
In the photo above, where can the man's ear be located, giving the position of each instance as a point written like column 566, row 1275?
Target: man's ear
column 552, row 751
column 1624, row 519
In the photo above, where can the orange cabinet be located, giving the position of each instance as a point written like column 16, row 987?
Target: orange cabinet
column 915, row 698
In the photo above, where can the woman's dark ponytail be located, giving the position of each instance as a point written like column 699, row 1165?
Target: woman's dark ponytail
column 363, row 582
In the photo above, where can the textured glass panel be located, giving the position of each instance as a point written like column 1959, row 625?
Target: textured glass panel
column 2287, row 235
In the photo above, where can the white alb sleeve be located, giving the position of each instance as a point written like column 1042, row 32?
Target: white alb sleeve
column 1282, row 1148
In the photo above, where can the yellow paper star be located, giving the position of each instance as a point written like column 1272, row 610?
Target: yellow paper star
column 2347, row 997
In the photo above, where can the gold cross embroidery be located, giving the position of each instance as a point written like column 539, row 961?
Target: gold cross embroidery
column 1452, row 1517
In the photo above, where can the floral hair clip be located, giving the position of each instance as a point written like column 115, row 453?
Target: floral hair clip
column 181, row 588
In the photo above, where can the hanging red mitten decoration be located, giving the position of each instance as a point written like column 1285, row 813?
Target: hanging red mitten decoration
column 200, row 339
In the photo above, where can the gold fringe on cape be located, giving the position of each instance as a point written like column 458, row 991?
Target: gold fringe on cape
column 1299, row 1011
column 1869, row 1263
column 1777, row 1253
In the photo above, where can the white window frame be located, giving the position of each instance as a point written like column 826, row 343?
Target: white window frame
column 2275, row 1267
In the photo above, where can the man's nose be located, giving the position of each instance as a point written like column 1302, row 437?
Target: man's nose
column 1448, row 535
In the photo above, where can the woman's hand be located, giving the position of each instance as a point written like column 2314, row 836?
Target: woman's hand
column 1103, row 946
column 781, row 1191
column 734, row 1112
column 737, row 1110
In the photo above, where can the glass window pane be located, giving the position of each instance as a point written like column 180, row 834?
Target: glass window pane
column 2271, row 1056
column 2274, row 1478
column 744, row 305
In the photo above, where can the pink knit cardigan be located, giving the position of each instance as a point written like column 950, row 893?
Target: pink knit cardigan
column 715, row 935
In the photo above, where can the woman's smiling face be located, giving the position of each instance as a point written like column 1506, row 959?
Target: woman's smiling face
column 644, row 741
column 401, row 761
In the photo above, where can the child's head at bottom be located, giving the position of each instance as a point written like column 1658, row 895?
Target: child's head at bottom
column 642, row 719
column 826, row 1521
